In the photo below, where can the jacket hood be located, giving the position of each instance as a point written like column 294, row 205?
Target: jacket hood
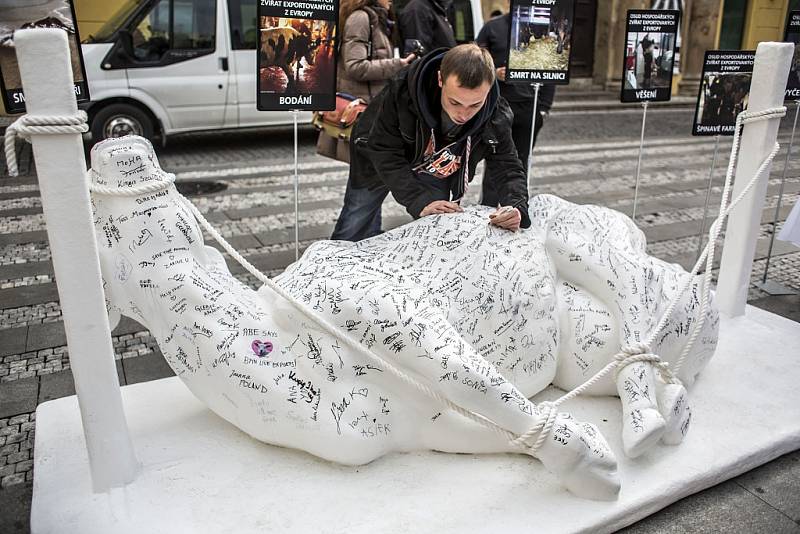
column 423, row 82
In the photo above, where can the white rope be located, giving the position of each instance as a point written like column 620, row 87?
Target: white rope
column 28, row 125
column 532, row 439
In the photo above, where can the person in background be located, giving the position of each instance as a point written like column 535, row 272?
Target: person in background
column 426, row 21
column 366, row 59
column 494, row 37
column 421, row 139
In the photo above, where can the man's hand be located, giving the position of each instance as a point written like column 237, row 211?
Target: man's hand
column 501, row 73
column 441, row 206
column 506, row 217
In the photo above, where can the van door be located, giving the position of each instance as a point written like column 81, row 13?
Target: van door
column 180, row 60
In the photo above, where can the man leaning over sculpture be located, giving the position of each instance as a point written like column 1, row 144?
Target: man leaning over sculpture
column 423, row 136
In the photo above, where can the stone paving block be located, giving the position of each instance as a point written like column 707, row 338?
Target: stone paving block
column 45, row 336
column 786, row 305
column 239, row 242
column 127, row 326
column 17, row 212
column 18, row 396
column 13, row 340
column 23, row 237
column 28, row 295
column 20, row 270
column 777, row 483
column 724, row 509
column 145, row 368
column 56, row 385
column 24, row 466
column 10, row 480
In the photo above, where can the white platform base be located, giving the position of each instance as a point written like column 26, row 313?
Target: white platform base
column 200, row 474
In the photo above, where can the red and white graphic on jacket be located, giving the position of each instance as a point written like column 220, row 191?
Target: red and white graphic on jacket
column 441, row 164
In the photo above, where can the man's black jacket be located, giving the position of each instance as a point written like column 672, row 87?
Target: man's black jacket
column 426, row 21
column 390, row 138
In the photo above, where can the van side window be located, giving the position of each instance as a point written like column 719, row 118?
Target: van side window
column 175, row 25
column 242, row 15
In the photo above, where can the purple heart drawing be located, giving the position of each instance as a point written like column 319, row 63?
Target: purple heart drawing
column 261, row 348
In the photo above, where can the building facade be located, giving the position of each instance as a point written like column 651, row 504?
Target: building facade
column 599, row 32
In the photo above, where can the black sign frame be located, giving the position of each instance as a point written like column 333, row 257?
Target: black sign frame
column 541, row 76
column 14, row 97
column 637, row 22
column 719, row 63
column 792, row 35
column 302, row 11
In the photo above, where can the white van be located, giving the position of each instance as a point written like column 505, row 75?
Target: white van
column 161, row 67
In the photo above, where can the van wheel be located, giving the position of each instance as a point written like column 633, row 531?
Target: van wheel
column 116, row 120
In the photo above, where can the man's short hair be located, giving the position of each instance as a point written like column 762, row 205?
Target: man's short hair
column 470, row 63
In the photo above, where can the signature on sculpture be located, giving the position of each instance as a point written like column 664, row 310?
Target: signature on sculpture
column 410, row 340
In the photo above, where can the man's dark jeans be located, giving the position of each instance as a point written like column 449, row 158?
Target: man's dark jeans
column 360, row 217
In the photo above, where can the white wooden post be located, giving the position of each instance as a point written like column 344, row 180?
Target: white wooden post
column 770, row 73
column 44, row 62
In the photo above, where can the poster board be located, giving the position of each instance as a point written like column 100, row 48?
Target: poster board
column 792, row 35
column 540, row 41
column 296, row 66
column 650, row 43
column 724, row 91
column 43, row 14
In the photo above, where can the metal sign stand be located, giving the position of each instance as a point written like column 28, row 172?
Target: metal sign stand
column 536, row 87
column 639, row 162
column 702, row 235
column 769, row 286
column 295, row 112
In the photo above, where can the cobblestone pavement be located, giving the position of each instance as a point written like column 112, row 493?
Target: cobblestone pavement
column 586, row 158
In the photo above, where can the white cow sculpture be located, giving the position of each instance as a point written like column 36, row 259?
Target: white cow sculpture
column 482, row 317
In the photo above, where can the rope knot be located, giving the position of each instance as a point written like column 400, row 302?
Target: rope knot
column 635, row 349
column 548, row 411
column 641, row 352
column 28, row 125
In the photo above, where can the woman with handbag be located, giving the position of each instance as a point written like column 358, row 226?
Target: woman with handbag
column 366, row 60
column 365, row 64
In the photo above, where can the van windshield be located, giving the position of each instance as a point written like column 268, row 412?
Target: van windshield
column 107, row 30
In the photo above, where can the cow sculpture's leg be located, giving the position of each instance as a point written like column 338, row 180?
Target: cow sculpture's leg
column 642, row 423
column 673, row 403
column 575, row 452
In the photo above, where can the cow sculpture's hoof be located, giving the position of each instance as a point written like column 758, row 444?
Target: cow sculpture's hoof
column 642, row 422
column 673, row 401
column 578, row 454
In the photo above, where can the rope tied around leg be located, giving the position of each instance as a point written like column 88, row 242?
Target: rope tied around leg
column 144, row 188
column 641, row 352
column 28, row 125
column 539, row 431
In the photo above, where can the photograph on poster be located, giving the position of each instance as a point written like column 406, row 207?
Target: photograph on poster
column 724, row 91
column 297, row 59
column 540, row 41
column 42, row 14
column 649, row 55
column 793, row 36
